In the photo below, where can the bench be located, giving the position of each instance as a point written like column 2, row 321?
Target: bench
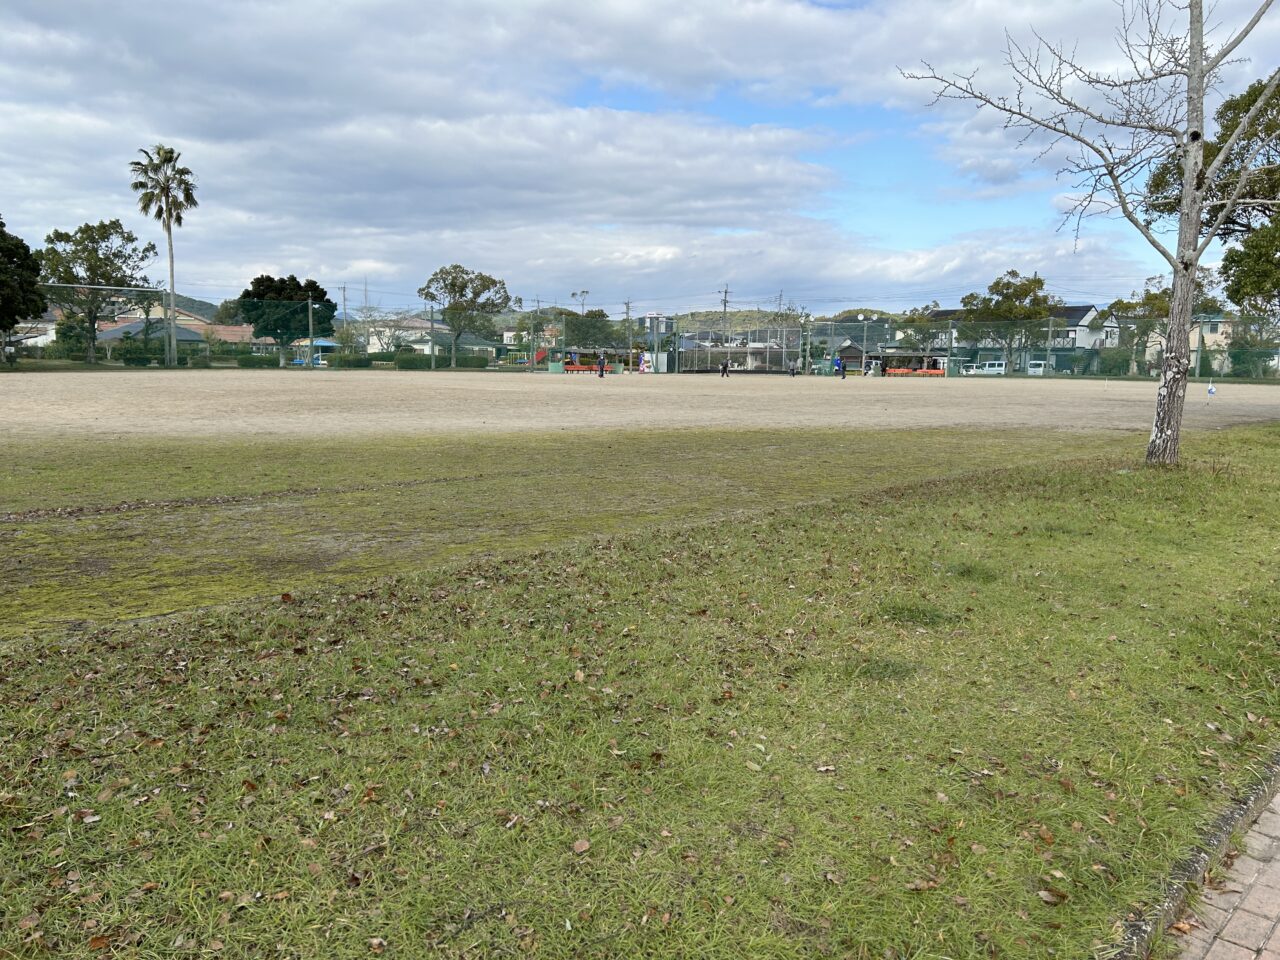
column 583, row 368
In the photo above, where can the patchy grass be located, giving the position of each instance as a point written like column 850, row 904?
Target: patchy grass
column 108, row 530
column 963, row 720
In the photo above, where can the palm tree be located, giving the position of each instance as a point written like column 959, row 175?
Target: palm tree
column 166, row 191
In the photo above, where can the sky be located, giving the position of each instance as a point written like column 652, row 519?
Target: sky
column 656, row 151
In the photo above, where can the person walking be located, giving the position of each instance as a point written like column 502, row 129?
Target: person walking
column 600, row 365
column 724, row 368
column 791, row 367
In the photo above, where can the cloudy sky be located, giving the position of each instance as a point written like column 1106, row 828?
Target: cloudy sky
column 647, row 149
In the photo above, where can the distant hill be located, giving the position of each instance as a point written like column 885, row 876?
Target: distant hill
column 201, row 308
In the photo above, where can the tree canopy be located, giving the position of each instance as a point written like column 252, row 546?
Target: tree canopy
column 469, row 301
column 1254, row 154
column 1252, row 271
column 277, row 308
column 93, row 256
column 591, row 330
column 1014, row 312
column 20, row 295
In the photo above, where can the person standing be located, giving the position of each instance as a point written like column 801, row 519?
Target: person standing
column 600, row 365
column 844, row 367
column 724, row 368
column 791, row 367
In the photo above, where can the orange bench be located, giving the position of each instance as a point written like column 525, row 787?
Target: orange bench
column 583, row 368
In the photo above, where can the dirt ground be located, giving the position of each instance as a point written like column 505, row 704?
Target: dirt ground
column 329, row 403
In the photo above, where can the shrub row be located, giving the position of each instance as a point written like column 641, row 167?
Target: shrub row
column 350, row 360
column 421, row 361
column 257, row 360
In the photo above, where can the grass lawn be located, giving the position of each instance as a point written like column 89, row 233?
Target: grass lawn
column 105, row 530
column 965, row 718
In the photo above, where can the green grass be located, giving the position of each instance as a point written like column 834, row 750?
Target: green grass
column 961, row 719
column 113, row 530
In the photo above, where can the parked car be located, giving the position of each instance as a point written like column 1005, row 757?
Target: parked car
column 1036, row 368
column 993, row 368
column 969, row 370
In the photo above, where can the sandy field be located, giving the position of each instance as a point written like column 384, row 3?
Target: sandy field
column 365, row 402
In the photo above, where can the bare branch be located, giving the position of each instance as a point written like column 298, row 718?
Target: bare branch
column 1246, row 122
column 1216, row 61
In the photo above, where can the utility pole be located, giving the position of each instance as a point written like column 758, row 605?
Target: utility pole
column 862, row 318
column 724, row 321
column 951, row 339
column 311, row 336
column 631, row 360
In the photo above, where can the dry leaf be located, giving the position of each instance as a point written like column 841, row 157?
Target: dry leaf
column 581, row 846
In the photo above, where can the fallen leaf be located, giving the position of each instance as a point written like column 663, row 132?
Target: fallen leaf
column 377, row 944
column 581, row 846
column 1052, row 897
column 29, row 921
column 1180, row 927
column 99, row 942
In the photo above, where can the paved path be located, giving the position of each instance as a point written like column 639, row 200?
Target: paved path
column 1239, row 918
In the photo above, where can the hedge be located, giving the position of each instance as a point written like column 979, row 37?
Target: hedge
column 422, row 361
column 258, row 360
column 350, row 360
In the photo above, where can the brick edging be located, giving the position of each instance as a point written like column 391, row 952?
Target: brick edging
column 1140, row 929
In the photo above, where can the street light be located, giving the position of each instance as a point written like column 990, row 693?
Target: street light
column 581, row 297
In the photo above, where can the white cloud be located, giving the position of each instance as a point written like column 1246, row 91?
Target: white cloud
column 385, row 138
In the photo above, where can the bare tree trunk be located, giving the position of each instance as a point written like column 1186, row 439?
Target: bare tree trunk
column 1172, row 394
column 171, row 331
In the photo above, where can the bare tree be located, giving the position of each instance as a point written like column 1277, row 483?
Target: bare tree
column 1119, row 127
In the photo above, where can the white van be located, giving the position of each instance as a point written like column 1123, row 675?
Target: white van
column 992, row 368
column 1036, row 368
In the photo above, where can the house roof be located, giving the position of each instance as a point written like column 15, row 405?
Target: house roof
column 231, row 332
column 117, row 331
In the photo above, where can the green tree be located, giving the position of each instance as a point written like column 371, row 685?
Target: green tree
column 1252, row 271
column 1259, row 140
column 1252, row 274
column 469, row 301
column 228, row 313
column 1013, row 313
column 20, row 295
column 921, row 330
column 166, row 191
column 82, row 263
column 1142, row 316
column 591, row 330
column 277, row 308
